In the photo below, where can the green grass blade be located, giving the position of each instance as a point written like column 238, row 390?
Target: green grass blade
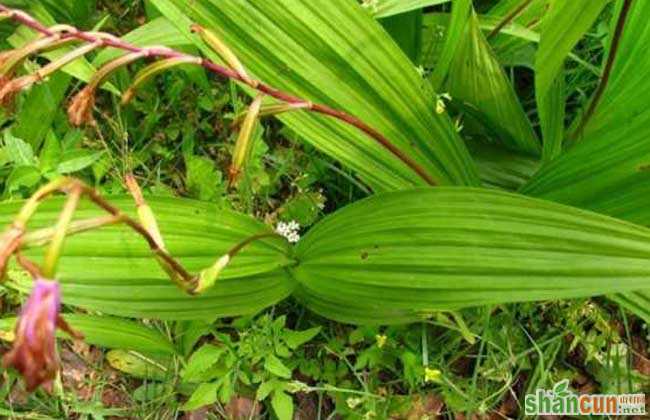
column 564, row 25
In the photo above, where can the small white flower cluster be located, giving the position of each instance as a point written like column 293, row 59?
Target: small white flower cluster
column 289, row 230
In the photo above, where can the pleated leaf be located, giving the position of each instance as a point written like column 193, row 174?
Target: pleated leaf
column 386, row 8
column 406, row 30
column 111, row 270
column 606, row 169
column 315, row 50
column 453, row 37
column 501, row 168
column 565, row 24
column 397, row 257
column 477, row 78
column 110, row 332
column 522, row 19
column 551, row 110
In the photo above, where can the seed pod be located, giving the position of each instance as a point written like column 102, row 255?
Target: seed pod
column 145, row 214
column 244, row 143
column 224, row 52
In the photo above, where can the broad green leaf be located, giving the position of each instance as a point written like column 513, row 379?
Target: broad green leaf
column 77, row 159
column 295, row 339
column 188, row 333
column 201, row 361
column 38, row 111
column 468, row 69
column 512, row 47
column 386, row 8
column 50, row 155
column 399, row 257
column 17, row 150
column 476, row 77
column 564, row 25
column 265, row 388
column 111, row 270
column 203, row 180
column 316, row 51
column 150, row 391
column 512, row 43
column 453, row 39
column 22, row 176
column 282, row 404
column 501, row 168
column 73, row 11
column 111, row 332
column 562, row 28
column 120, row 333
column 205, row 394
column 275, row 366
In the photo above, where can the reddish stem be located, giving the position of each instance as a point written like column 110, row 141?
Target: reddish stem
column 509, row 18
column 162, row 52
column 616, row 40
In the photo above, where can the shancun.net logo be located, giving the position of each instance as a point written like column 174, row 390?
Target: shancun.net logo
column 561, row 401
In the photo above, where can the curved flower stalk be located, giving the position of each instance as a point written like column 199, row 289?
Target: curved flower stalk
column 12, row 87
column 207, row 277
column 235, row 71
column 34, row 351
column 152, row 70
column 16, row 237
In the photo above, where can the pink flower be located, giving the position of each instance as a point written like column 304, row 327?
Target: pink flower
column 34, row 352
